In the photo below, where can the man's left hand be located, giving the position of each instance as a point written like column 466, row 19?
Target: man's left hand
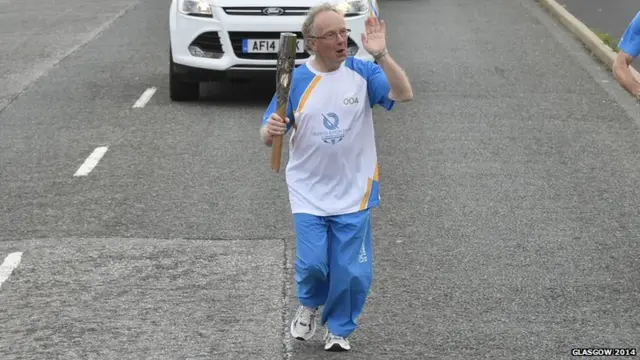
column 374, row 40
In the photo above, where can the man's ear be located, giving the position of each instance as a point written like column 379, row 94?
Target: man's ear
column 311, row 44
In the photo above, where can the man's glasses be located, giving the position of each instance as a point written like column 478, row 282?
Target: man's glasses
column 332, row 36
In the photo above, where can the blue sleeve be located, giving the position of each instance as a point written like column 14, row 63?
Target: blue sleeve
column 630, row 41
column 272, row 108
column 378, row 86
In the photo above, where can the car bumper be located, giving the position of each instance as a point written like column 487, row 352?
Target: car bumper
column 216, row 43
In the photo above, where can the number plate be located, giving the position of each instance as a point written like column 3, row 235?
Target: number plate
column 266, row 46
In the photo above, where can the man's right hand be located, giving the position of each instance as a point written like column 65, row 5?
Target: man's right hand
column 273, row 127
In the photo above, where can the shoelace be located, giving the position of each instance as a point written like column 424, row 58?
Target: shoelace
column 332, row 337
column 305, row 315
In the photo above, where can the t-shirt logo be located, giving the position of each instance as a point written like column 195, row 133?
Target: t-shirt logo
column 330, row 121
column 334, row 134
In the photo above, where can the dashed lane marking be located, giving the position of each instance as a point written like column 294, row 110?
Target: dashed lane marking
column 91, row 161
column 145, row 97
column 10, row 262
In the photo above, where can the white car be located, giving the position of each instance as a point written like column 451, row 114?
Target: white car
column 213, row 40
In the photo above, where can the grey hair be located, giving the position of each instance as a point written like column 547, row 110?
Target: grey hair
column 308, row 30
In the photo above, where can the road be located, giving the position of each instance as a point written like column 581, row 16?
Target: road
column 609, row 17
column 509, row 219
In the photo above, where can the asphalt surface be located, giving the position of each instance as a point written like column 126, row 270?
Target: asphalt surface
column 35, row 36
column 509, row 219
column 609, row 17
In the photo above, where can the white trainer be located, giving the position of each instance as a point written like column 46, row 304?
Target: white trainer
column 335, row 343
column 303, row 325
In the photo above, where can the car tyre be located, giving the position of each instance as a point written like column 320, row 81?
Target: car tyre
column 180, row 90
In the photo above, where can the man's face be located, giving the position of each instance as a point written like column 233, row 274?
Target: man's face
column 331, row 36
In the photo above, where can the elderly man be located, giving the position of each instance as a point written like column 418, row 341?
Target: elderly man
column 629, row 49
column 332, row 173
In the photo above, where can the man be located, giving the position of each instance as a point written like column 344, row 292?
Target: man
column 332, row 173
column 629, row 49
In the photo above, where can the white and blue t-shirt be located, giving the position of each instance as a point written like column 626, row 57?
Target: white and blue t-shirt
column 630, row 41
column 333, row 165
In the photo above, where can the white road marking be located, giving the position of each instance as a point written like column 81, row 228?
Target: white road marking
column 10, row 262
column 145, row 97
column 91, row 161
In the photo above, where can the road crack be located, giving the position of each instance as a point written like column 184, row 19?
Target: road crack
column 287, row 348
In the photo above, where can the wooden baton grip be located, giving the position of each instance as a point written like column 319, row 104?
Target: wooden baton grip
column 276, row 144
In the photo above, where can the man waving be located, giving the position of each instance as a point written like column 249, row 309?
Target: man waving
column 332, row 173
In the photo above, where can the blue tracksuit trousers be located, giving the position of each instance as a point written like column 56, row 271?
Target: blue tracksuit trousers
column 334, row 266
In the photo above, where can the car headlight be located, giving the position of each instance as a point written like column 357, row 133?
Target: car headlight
column 195, row 8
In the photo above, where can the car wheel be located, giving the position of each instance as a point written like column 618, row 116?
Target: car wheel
column 180, row 90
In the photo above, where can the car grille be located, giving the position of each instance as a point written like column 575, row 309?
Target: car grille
column 236, row 43
column 209, row 41
column 267, row 11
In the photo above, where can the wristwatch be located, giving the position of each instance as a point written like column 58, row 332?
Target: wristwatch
column 379, row 55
